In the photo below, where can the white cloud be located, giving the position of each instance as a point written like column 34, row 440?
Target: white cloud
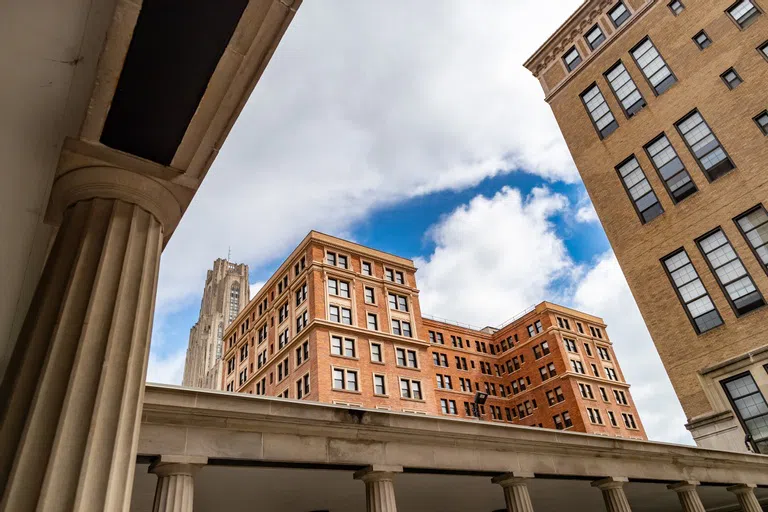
column 494, row 257
column 168, row 369
column 365, row 104
column 255, row 288
column 587, row 213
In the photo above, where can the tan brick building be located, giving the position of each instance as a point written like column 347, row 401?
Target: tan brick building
column 341, row 323
column 663, row 106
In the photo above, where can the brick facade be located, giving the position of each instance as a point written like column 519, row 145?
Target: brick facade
column 695, row 362
column 494, row 358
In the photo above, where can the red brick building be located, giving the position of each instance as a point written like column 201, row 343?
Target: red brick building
column 341, row 323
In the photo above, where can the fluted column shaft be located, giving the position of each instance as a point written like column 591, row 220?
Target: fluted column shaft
column 746, row 496
column 379, row 488
column 175, row 489
column 72, row 396
column 613, row 494
column 516, row 493
column 688, row 496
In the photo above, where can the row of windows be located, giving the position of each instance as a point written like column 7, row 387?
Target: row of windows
column 729, row 271
column 586, row 392
column 345, row 379
column 594, row 37
column 366, row 267
column 596, row 418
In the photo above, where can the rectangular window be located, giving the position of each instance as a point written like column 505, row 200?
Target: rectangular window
column 629, row 420
column 750, row 406
column 762, row 121
column 399, row 277
column 733, row 278
column 343, row 263
column 744, row 13
column 366, row 268
column 625, row 89
column 570, row 345
column 763, row 49
column 691, row 292
column 670, row 168
column 410, row 389
column 636, row 184
column 572, row 59
column 731, row 78
column 676, row 6
column 595, row 37
column 599, row 112
column 754, row 227
column 702, row 40
column 398, row 302
column 330, row 258
column 373, row 322
column 619, row 14
column 370, row 297
column 379, row 385
column 376, row 354
column 610, row 372
column 577, row 366
column 655, row 70
column 406, row 358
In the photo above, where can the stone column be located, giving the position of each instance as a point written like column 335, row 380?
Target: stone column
column 175, row 489
column 613, row 493
column 689, row 498
column 70, row 401
column 379, row 487
column 515, row 487
column 745, row 493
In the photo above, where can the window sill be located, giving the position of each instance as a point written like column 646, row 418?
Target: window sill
column 349, row 391
column 414, row 368
column 348, row 358
column 419, row 400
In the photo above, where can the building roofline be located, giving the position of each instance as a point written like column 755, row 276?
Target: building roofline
column 584, row 7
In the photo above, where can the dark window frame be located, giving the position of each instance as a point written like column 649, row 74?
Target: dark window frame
column 627, row 113
column 701, row 46
column 658, row 172
column 642, row 71
column 717, row 139
column 680, row 299
column 600, row 133
column 735, row 409
column 744, row 234
column 763, row 50
column 725, row 293
column 579, row 59
column 599, row 40
column 749, row 21
column 629, row 195
column 764, row 131
column 728, row 84
column 623, row 20
column 673, row 10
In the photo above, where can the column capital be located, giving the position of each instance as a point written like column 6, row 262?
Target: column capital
column 167, row 465
column 684, row 486
column 377, row 472
column 741, row 488
column 512, row 478
column 105, row 182
column 612, row 482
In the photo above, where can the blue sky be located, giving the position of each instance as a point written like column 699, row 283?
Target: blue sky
column 416, row 131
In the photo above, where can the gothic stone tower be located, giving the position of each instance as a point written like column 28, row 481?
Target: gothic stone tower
column 226, row 293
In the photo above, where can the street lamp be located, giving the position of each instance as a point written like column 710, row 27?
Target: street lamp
column 480, row 399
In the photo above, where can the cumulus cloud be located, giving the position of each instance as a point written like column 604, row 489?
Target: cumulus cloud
column 496, row 256
column 167, row 369
column 365, row 104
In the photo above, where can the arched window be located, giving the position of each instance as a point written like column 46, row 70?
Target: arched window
column 234, row 301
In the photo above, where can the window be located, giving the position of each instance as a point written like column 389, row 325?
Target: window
column 379, row 385
column 344, row 379
column 612, row 418
column 406, row 358
column 603, row 394
column 625, row 90
column 629, row 420
column 762, row 121
column 301, row 321
column 763, row 49
column 234, row 301
column 365, row 268
column 754, row 226
column 743, row 12
column 370, row 296
column 340, row 315
column 639, row 190
column 538, row 326
column 563, row 323
column 702, row 40
column 448, row 406
column 595, row 372
column 373, row 322
column 749, row 404
column 572, row 59
column 282, row 369
column 670, row 168
column 595, row 37
column 343, row 346
column 389, row 274
column 586, row 391
column 621, row 398
column 558, row 422
column 401, row 328
column 399, row 277
column 531, row 331
column 377, row 355
column 611, row 373
column 301, row 294
column 302, row 353
column 676, row 6
column 410, row 389
column 300, row 265
column 330, row 258
column 440, row 359
column 282, row 339
column 340, row 288
column 398, row 302
column 604, row 354
column 594, row 416
column 302, row 387
column 587, row 350
column 599, row 112
column 577, row 366
column 282, row 313
column 570, row 345
column 619, row 14
column 343, row 262
column 654, row 68
column 731, row 78
column 730, row 273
